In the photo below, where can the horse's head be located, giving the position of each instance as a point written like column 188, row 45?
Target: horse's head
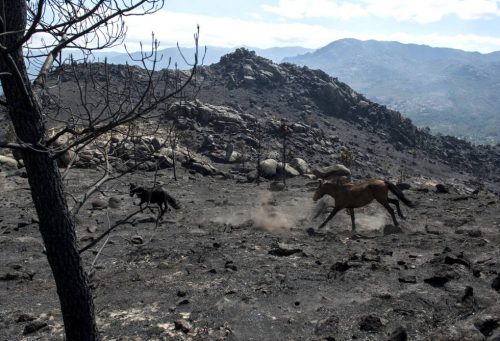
column 320, row 191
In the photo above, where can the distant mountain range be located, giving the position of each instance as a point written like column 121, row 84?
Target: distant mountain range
column 184, row 57
column 451, row 91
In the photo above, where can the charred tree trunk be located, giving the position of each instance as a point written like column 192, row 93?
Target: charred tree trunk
column 56, row 224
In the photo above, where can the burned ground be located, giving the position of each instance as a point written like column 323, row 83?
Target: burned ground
column 236, row 263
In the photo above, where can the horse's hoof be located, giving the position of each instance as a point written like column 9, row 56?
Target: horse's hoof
column 311, row 232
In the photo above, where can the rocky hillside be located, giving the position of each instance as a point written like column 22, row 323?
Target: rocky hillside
column 451, row 91
column 238, row 114
column 254, row 85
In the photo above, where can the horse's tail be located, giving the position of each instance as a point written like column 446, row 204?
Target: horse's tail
column 170, row 199
column 397, row 192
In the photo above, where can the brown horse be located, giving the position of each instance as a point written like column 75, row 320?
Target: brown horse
column 351, row 196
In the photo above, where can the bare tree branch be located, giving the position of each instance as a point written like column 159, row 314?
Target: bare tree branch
column 126, row 220
column 94, row 188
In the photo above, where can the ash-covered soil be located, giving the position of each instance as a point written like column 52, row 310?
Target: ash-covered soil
column 235, row 263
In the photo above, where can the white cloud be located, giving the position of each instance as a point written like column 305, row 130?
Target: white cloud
column 467, row 42
column 170, row 27
column 297, row 9
column 422, row 11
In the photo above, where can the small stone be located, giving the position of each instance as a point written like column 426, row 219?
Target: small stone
column 468, row 292
column 399, row 334
column 183, row 302
column 370, row 323
column 368, row 257
column 436, row 281
column 408, row 279
column 487, row 325
column 391, row 229
column 230, row 265
column 10, row 276
column 456, row 260
column 25, row 318
column 147, row 220
column 440, row 188
column 183, row 325
column 137, row 240
column 340, row 266
column 277, row 186
column 475, row 233
column 181, row 293
column 34, row 326
column 99, row 204
column 114, row 202
column 164, row 265
column 433, row 230
column 495, row 285
column 92, row 228
column 16, row 266
column 328, row 326
column 284, row 250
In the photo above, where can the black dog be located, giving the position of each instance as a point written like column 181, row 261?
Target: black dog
column 155, row 195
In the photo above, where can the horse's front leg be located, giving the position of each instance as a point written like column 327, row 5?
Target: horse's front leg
column 335, row 210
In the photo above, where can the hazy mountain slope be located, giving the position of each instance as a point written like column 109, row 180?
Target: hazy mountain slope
column 210, row 56
column 251, row 83
column 451, row 91
column 170, row 57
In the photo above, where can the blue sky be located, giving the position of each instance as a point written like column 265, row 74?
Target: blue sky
column 472, row 25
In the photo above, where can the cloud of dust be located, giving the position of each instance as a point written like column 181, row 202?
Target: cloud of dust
column 233, row 218
column 277, row 213
column 274, row 216
column 370, row 218
column 270, row 213
column 372, row 221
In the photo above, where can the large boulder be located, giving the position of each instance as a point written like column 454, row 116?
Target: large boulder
column 300, row 165
column 157, row 144
column 201, row 167
column 268, row 168
column 289, row 170
column 164, row 161
column 66, row 158
column 7, row 163
column 332, row 172
column 232, row 156
column 178, row 153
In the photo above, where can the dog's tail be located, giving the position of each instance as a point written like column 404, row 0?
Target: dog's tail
column 397, row 192
column 170, row 199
